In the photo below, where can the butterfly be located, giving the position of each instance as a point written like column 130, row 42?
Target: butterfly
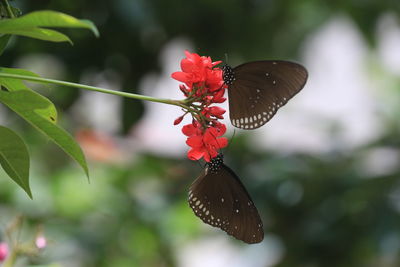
column 219, row 199
column 256, row 90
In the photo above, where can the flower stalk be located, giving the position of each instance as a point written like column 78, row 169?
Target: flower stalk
column 179, row 103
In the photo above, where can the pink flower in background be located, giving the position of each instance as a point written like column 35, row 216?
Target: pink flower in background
column 3, row 251
column 41, row 242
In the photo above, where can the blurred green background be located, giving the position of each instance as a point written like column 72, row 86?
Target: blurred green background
column 324, row 173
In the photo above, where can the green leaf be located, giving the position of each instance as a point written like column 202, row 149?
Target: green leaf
column 41, row 34
column 3, row 42
column 14, row 85
column 31, row 106
column 14, row 158
column 30, row 25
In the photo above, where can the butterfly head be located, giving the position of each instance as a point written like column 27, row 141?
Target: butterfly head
column 215, row 164
column 228, row 74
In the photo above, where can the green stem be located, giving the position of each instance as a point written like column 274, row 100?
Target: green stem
column 9, row 10
column 93, row 88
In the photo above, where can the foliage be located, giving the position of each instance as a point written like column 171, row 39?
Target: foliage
column 33, row 107
column 14, row 158
column 30, row 25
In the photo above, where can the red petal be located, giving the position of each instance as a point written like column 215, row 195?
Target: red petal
column 217, row 111
column 218, row 96
column 207, row 157
column 222, row 142
column 195, row 141
column 219, row 100
column 207, row 62
column 188, row 54
column 212, row 143
column 181, row 76
column 217, row 130
column 189, row 130
column 216, row 63
column 214, row 79
column 195, row 58
column 195, row 154
column 210, row 136
column 213, row 153
column 220, row 127
column 187, row 65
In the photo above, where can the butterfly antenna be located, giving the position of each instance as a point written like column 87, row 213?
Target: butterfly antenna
column 226, row 58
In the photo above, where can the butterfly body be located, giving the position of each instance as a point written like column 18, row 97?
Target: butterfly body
column 256, row 90
column 219, row 199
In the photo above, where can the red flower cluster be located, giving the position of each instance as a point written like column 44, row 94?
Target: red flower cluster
column 203, row 86
column 204, row 144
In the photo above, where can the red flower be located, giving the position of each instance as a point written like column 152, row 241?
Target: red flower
column 193, row 69
column 199, row 70
column 204, row 145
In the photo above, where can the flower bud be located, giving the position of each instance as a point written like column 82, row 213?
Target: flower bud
column 217, row 112
column 218, row 97
column 178, row 120
column 184, row 90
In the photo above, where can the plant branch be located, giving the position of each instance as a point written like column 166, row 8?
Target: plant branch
column 93, row 88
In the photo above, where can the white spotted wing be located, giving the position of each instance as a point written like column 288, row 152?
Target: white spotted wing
column 258, row 89
column 219, row 199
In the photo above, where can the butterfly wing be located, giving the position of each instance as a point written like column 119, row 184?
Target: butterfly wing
column 220, row 199
column 260, row 88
